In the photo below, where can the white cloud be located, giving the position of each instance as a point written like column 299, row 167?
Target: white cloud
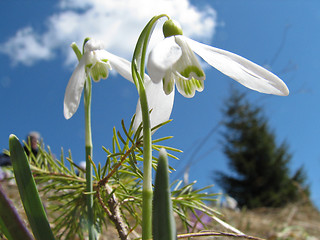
column 117, row 23
column 26, row 47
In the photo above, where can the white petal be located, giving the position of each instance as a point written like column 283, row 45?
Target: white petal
column 74, row 90
column 240, row 69
column 160, row 103
column 162, row 57
column 188, row 65
column 93, row 45
column 121, row 65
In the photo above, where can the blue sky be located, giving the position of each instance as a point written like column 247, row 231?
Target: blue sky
column 36, row 63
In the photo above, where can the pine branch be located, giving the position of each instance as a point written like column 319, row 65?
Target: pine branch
column 217, row 234
column 114, row 212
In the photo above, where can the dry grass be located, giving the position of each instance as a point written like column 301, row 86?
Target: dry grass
column 297, row 220
column 293, row 222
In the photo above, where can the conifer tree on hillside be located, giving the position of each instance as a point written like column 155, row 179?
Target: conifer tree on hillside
column 261, row 175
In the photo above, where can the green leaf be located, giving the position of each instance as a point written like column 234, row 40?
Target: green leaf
column 11, row 224
column 163, row 221
column 28, row 191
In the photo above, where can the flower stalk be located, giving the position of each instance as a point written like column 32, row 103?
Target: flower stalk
column 147, row 193
column 94, row 63
column 88, row 146
column 138, row 69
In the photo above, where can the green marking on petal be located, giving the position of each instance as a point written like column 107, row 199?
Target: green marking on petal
column 168, row 83
column 99, row 70
column 187, row 87
column 199, row 84
column 193, row 71
column 184, row 87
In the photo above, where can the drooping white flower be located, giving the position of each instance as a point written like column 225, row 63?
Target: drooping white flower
column 160, row 104
column 95, row 63
column 173, row 62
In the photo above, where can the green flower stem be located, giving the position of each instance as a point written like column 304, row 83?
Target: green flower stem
column 138, row 69
column 147, row 169
column 88, row 145
column 139, row 55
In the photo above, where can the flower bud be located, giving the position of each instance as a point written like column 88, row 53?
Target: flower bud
column 171, row 28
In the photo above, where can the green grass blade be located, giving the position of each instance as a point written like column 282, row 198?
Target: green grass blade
column 28, row 191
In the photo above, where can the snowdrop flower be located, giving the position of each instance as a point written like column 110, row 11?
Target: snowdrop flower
column 159, row 103
column 173, row 62
column 96, row 63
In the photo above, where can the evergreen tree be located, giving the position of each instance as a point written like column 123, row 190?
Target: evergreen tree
column 261, row 173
